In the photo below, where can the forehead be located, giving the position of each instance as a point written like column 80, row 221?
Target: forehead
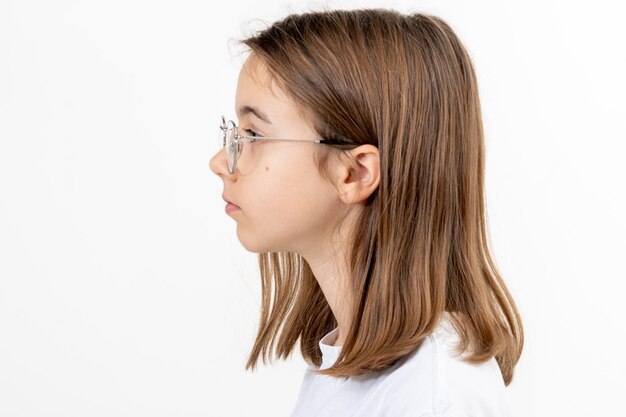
column 256, row 89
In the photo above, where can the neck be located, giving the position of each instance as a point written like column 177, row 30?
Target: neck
column 332, row 280
column 329, row 265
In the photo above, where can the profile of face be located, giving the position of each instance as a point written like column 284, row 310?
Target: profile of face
column 285, row 205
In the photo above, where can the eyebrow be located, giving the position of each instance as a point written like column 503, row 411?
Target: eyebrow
column 244, row 110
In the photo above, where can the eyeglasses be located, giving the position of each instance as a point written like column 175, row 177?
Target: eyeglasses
column 233, row 141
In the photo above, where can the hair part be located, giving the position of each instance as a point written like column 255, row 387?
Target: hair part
column 420, row 244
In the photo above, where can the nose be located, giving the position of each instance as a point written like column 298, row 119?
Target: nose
column 218, row 163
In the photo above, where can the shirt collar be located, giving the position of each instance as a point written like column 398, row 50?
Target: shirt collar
column 330, row 353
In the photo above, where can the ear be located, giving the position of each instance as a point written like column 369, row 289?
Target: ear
column 357, row 183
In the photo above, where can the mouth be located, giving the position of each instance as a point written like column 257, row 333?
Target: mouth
column 230, row 203
column 230, row 207
column 225, row 199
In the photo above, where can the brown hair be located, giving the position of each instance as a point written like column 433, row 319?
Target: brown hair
column 405, row 84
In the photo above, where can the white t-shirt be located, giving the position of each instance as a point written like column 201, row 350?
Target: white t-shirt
column 430, row 382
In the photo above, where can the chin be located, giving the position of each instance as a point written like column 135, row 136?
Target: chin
column 252, row 244
column 255, row 245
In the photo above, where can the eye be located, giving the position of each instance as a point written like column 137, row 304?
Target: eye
column 251, row 133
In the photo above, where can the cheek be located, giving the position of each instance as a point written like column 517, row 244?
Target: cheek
column 291, row 187
column 283, row 178
column 288, row 206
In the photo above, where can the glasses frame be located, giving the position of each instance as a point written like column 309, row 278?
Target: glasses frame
column 239, row 140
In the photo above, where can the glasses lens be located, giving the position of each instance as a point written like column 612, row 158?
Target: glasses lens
column 231, row 147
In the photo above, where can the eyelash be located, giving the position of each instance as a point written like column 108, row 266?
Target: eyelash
column 251, row 132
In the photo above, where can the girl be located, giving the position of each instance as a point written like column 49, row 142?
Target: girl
column 356, row 174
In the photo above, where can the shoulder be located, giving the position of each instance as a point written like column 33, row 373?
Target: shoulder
column 435, row 381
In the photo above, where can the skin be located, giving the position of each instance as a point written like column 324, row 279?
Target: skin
column 286, row 206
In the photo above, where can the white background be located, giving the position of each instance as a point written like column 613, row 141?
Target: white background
column 123, row 288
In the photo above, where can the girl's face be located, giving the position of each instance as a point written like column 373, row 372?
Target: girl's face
column 285, row 204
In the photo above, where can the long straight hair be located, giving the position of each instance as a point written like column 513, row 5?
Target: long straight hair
column 405, row 84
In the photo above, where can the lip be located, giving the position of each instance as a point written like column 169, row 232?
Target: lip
column 230, row 207
column 227, row 200
column 230, row 203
